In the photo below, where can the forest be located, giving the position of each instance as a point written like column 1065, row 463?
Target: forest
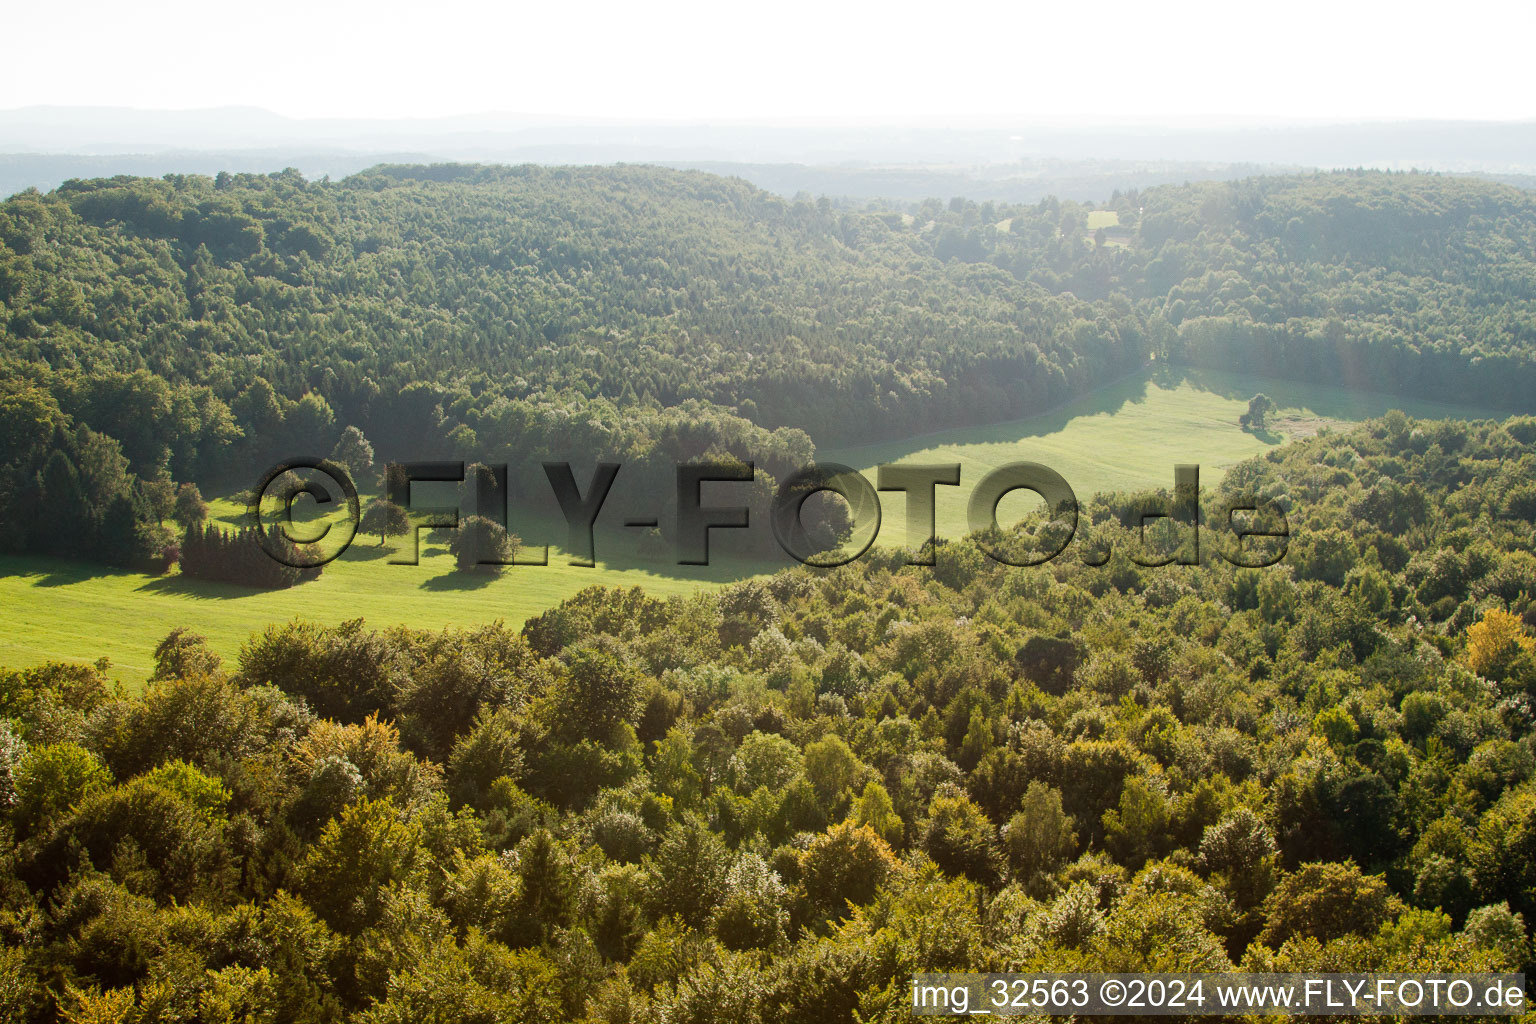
column 777, row 801
column 161, row 331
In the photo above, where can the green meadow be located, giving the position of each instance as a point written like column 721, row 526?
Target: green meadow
column 76, row 611
column 1128, row 435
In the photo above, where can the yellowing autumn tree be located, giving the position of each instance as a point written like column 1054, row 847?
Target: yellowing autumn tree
column 1495, row 642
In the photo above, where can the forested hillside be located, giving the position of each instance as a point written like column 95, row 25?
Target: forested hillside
column 403, row 288
column 1405, row 283
column 777, row 802
column 199, row 329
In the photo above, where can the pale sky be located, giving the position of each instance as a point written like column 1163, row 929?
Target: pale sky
column 695, row 60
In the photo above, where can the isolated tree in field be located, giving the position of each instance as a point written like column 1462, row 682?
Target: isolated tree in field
column 386, row 519
column 190, row 509
column 353, row 452
column 482, row 543
column 1260, row 408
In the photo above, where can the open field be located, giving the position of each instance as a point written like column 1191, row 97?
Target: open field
column 1102, row 219
column 75, row 611
column 1128, row 435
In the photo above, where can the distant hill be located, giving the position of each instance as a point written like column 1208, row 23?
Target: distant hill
column 41, row 147
column 1500, row 147
column 210, row 326
column 645, row 285
column 1024, row 181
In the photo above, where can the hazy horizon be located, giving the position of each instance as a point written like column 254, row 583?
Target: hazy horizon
column 690, row 61
column 957, row 119
column 41, row 147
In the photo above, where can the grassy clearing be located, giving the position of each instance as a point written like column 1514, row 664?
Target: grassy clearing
column 76, row 611
column 1128, row 435
column 1102, row 219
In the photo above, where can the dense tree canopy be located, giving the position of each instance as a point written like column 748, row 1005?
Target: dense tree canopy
column 194, row 329
column 778, row 801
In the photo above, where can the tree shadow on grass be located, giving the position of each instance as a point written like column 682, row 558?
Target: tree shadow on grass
column 1333, row 400
column 1109, row 400
column 79, row 574
column 368, row 553
column 48, row 571
column 457, row 580
column 204, row 590
column 1265, row 434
